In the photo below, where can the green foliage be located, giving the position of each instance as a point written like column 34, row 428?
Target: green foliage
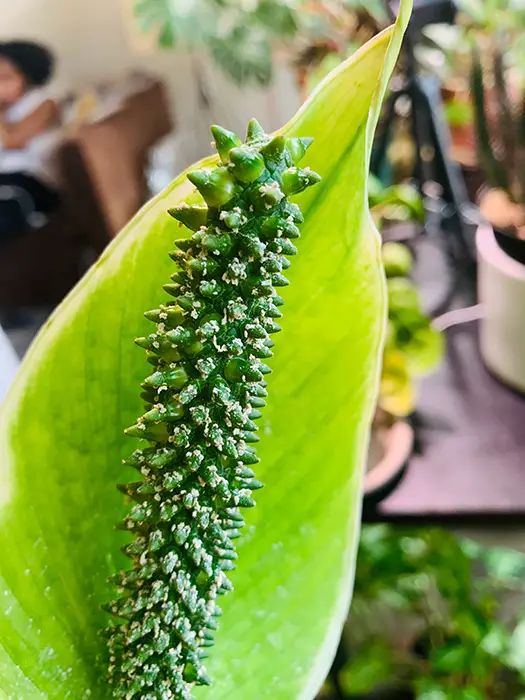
column 237, row 34
column 425, row 617
column 61, row 440
column 459, row 113
column 501, row 136
column 412, row 347
column 485, row 55
column 330, row 31
column 399, row 202
column 397, row 259
column 368, row 669
column 329, row 63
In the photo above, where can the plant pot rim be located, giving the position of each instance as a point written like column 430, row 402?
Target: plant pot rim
column 488, row 247
column 398, row 442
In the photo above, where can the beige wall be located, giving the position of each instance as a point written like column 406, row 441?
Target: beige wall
column 95, row 40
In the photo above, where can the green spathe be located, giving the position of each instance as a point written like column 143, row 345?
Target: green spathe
column 61, row 435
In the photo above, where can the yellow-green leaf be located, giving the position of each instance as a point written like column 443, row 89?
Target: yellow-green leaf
column 61, row 439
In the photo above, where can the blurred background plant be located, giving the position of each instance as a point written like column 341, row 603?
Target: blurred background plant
column 480, row 61
column 434, row 617
column 331, row 30
column 497, row 89
column 413, row 348
column 238, row 35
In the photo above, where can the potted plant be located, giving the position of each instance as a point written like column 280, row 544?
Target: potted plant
column 445, row 50
column 412, row 347
column 412, row 350
column 501, row 241
column 239, row 37
column 332, row 31
column 429, row 620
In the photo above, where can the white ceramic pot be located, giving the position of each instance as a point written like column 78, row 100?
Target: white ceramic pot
column 501, row 293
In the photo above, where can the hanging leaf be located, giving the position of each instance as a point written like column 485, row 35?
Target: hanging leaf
column 277, row 16
column 238, row 35
column 61, row 437
column 243, row 55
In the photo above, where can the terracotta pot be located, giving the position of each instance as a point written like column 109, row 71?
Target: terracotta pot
column 463, row 138
column 507, row 219
column 388, row 455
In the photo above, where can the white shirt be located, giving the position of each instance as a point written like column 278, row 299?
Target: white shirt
column 8, row 364
column 38, row 156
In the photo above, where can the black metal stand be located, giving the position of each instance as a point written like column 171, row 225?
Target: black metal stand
column 438, row 176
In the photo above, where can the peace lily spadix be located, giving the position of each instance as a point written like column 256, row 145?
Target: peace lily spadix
column 62, row 435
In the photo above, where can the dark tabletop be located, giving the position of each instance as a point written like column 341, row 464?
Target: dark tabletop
column 471, row 428
column 472, row 434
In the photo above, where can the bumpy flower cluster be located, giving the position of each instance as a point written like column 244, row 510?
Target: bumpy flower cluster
column 209, row 353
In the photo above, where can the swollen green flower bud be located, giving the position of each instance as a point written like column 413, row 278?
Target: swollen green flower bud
column 224, row 141
column 174, row 379
column 192, row 216
column 217, row 243
column 169, row 315
column 217, row 186
column 255, row 131
column 246, row 164
column 276, row 226
column 273, row 150
column 295, row 180
column 270, row 194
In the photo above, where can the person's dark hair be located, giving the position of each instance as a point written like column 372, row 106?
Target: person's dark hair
column 34, row 61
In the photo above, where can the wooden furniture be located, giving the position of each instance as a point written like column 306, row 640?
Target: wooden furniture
column 102, row 169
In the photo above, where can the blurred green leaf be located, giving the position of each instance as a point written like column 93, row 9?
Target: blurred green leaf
column 368, row 670
column 166, row 37
column 503, row 564
column 496, row 641
column 516, row 654
column 402, row 296
column 425, row 350
column 238, row 35
column 278, row 16
column 396, row 389
column 62, row 441
column 470, row 693
column 459, row 113
column 401, row 197
column 397, row 259
column 243, row 56
column 450, row 659
column 431, row 691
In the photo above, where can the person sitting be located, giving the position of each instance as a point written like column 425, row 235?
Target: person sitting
column 29, row 135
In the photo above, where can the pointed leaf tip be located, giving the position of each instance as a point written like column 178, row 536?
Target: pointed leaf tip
column 272, row 151
column 296, row 180
column 224, row 141
column 191, row 216
column 255, row 131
